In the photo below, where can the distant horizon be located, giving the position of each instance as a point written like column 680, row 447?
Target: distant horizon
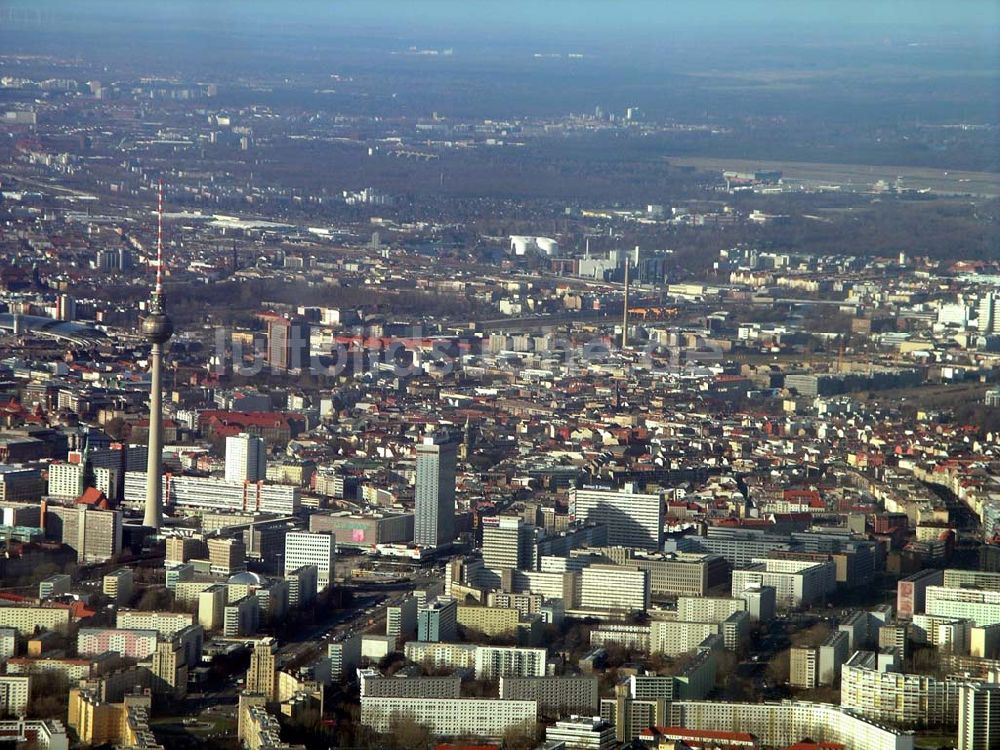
column 597, row 19
column 882, row 63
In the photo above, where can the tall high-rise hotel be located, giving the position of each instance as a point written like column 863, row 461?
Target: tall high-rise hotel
column 434, row 524
column 246, row 460
column 287, row 344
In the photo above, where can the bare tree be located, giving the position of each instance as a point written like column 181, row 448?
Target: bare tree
column 407, row 734
column 779, row 666
column 524, row 735
column 726, row 664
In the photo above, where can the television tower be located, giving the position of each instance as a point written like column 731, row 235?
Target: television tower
column 157, row 329
column 625, row 312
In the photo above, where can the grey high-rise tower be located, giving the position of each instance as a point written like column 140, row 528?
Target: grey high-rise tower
column 157, row 329
column 435, row 493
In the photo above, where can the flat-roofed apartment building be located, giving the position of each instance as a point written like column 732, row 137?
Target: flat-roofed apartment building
column 441, row 655
column 401, row 619
column 979, row 715
column 976, row 579
column 874, row 688
column 118, row 585
column 803, row 667
column 708, row 608
column 981, row 606
column 376, row 685
column 134, row 644
column 560, row 695
column 26, row 620
column 15, row 691
column 493, row 662
column 450, row 717
column 167, row 624
column 489, row 621
column 789, row 722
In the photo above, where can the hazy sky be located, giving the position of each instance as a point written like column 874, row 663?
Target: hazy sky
column 555, row 17
column 923, row 52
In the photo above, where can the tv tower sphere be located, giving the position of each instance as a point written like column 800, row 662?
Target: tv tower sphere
column 157, row 327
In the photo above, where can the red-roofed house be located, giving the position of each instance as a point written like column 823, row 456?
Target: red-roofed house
column 713, row 739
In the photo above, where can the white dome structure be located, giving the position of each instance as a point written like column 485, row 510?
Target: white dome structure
column 246, row 578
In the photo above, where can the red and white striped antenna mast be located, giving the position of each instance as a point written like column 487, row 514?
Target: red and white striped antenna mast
column 159, row 242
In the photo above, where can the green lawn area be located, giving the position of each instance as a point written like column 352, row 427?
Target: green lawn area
column 934, row 740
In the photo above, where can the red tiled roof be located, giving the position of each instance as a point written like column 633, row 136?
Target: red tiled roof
column 77, row 610
column 705, row 734
column 93, row 496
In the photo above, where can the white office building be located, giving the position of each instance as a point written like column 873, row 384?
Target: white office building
column 612, row 588
column 632, row 519
column 214, row 494
column 246, row 460
column 66, row 480
column 306, row 548
column 796, row 583
column 582, row 733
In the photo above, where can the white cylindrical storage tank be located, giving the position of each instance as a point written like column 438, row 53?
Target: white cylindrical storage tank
column 519, row 244
column 547, row 245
